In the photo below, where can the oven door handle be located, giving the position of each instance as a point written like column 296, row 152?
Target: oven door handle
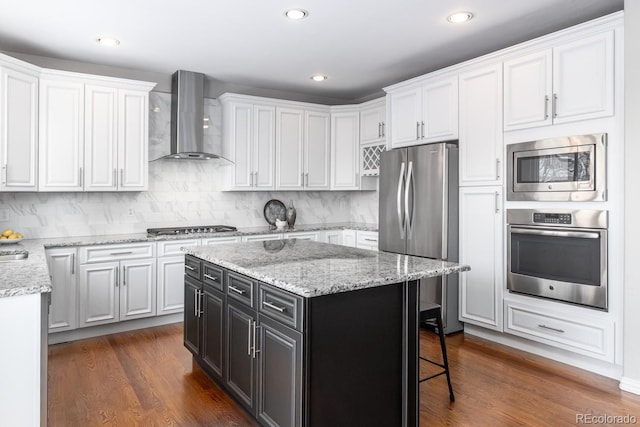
column 555, row 233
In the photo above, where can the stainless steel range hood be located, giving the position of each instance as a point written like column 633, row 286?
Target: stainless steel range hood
column 187, row 118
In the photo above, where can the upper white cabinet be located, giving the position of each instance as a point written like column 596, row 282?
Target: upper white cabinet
column 481, row 137
column 316, row 150
column 249, row 140
column 373, row 117
column 570, row 82
column 18, row 128
column 345, row 150
column 424, row 113
column 93, row 133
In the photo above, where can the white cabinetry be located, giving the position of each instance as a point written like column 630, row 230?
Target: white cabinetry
column 373, row 117
column 424, row 113
column 481, row 239
column 18, row 128
column 249, row 140
column 262, row 237
column 481, row 138
column 349, row 238
column 316, row 236
column 117, row 282
column 170, row 281
column 345, row 150
column 316, row 150
column 367, row 240
column 62, row 270
column 93, row 133
column 572, row 81
column 333, row 236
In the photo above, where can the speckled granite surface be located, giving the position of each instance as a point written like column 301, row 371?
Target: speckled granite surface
column 309, row 269
column 31, row 275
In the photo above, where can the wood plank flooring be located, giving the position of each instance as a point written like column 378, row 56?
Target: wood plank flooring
column 147, row 378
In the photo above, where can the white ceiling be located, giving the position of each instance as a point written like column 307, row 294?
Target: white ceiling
column 362, row 45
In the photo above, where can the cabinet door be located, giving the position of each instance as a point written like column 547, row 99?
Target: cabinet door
column 528, row 91
column 289, row 149
column 133, row 140
column 481, row 231
column 241, row 135
column 334, row 237
column 62, row 269
column 349, row 238
column 170, row 285
column 316, row 150
column 241, row 366
column 101, row 138
column 61, row 144
column 192, row 289
column 264, row 147
column 137, row 289
column 345, row 151
column 372, row 123
column 583, row 78
column 406, row 115
column 18, row 130
column 213, row 330
column 440, row 110
column 481, row 132
column 98, row 293
column 279, row 375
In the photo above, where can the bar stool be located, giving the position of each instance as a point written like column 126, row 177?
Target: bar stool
column 428, row 314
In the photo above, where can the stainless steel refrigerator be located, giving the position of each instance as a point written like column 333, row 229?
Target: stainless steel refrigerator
column 418, row 215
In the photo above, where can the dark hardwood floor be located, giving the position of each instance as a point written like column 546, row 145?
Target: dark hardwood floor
column 147, row 378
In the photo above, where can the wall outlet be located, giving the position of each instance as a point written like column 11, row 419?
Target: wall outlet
column 4, row 215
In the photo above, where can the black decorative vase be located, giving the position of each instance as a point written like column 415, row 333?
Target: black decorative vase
column 291, row 214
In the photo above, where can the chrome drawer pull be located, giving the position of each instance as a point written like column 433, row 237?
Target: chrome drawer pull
column 551, row 329
column 121, row 253
column 206, row 276
column 188, row 267
column 370, row 240
column 236, row 290
column 273, row 306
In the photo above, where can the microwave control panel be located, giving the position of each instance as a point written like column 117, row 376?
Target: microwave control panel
column 551, row 218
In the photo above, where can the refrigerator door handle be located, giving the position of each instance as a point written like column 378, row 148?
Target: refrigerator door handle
column 399, row 202
column 409, row 215
column 445, row 206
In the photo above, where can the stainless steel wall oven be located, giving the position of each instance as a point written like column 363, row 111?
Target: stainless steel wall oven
column 559, row 254
column 571, row 168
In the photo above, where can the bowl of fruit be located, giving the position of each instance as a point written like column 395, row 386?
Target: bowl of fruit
column 9, row 236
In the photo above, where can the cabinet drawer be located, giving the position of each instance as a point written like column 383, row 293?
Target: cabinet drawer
column 581, row 334
column 172, row 247
column 241, row 288
column 212, row 276
column 193, row 267
column 104, row 253
column 367, row 239
column 280, row 305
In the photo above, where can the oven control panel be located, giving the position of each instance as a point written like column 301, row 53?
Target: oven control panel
column 551, row 218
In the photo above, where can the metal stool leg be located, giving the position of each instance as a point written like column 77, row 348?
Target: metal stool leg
column 444, row 356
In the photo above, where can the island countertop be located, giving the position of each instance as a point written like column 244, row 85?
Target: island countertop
column 311, row 269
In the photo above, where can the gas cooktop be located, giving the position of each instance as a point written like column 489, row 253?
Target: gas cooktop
column 174, row 231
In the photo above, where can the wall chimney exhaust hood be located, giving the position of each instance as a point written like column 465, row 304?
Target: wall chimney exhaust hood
column 187, row 119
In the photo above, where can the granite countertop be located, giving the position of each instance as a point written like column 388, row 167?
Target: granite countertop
column 310, row 269
column 31, row 275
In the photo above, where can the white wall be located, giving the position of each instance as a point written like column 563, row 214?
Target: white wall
column 631, row 370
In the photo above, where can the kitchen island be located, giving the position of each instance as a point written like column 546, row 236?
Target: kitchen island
column 308, row 333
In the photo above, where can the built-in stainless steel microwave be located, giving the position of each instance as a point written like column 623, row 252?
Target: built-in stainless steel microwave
column 571, row 168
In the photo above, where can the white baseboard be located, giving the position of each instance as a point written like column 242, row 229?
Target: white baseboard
column 113, row 328
column 629, row 384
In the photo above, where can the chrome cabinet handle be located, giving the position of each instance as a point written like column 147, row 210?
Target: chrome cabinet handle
column 417, row 130
column 188, row 267
column 307, row 178
column 250, row 179
column 73, row 263
column 236, row 290
column 302, row 176
column 121, row 253
column 384, row 129
column 551, row 329
column 370, row 240
column 554, row 107
column 273, row 306
column 255, row 334
column 4, row 173
column 115, row 177
column 546, row 107
column 250, row 325
column 497, row 202
column 497, row 168
column 124, row 275
column 399, row 202
column 214, row 279
column 379, row 129
column 196, row 301
column 408, row 215
column 117, row 277
column 255, row 178
column 80, row 176
column 422, row 130
column 121, row 176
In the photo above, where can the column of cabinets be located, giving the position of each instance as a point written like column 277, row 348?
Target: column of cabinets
column 18, row 126
column 570, row 82
column 426, row 112
column 93, row 133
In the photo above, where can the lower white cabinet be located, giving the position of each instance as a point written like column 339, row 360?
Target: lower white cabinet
column 333, row 236
column 63, row 314
column 578, row 333
column 349, row 238
column 367, row 240
column 262, row 237
column 220, row 240
column 316, row 236
column 170, row 285
column 481, row 231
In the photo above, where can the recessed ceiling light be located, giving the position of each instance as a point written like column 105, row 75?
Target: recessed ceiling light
column 458, row 17
column 108, row 41
column 318, row 78
column 296, row 14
